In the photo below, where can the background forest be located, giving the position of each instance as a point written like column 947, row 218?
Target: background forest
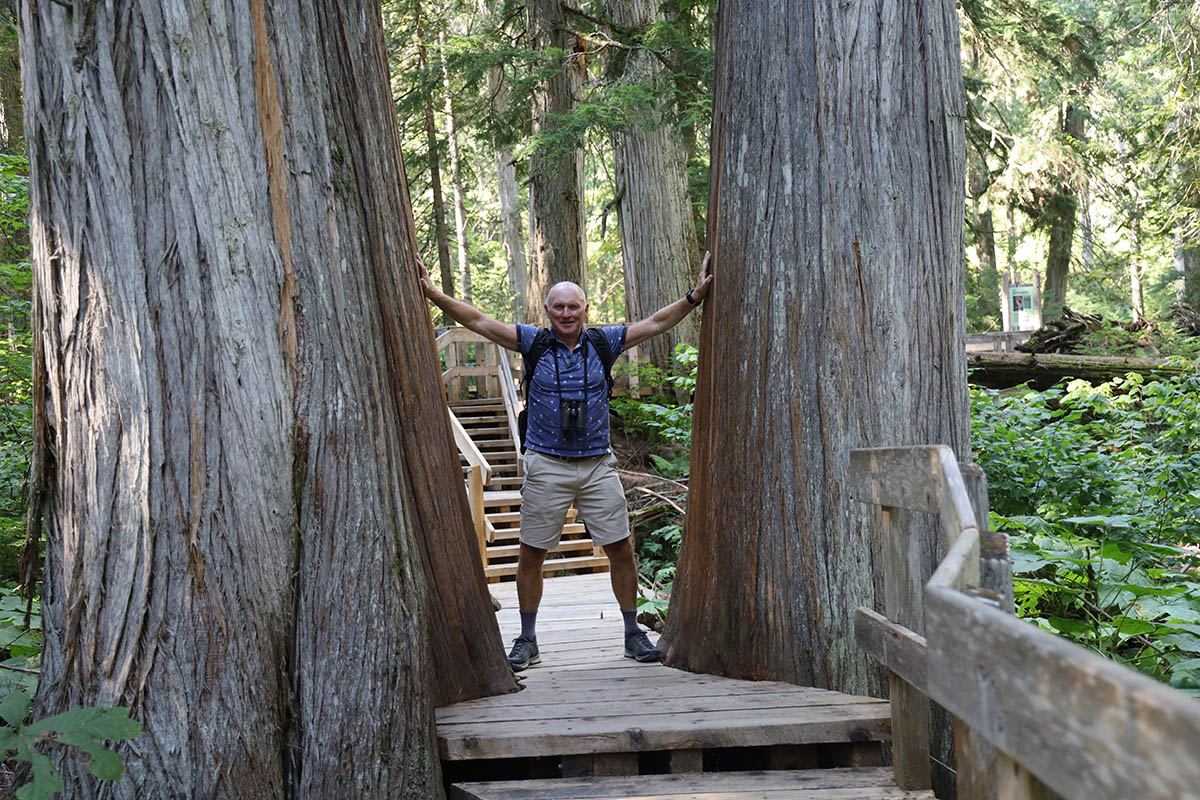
column 1083, row 133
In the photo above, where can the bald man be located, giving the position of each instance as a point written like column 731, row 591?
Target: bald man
column 571, row 464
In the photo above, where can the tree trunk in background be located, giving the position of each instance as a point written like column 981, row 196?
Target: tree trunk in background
column 1060, row 219
column 836, row 322
column 1137, row 300
column 511, row 225
column 556, row 203
column 659, row 246
column 687, row 86
column 1187, row 264
column 435, row 171
column 237, row 514
column 11, row 110
column 456, row 182
column 513, row 228
column 985, row 240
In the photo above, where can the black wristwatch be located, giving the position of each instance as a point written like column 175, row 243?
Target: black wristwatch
column 691, row 299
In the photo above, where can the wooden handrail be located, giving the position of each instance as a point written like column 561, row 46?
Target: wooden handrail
column 508, row 391
column 1034, row 711
column 469, row 450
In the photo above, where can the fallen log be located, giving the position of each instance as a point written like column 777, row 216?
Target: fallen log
column 1002, row 370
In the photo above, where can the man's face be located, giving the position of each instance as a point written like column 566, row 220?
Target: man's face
column 567, row 310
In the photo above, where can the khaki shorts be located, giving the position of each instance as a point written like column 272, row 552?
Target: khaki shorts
column 552, row 485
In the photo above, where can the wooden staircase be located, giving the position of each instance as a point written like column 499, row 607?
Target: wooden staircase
column 488, row 423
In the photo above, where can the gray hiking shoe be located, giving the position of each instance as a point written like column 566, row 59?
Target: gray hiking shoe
column 524, row 654
column 638, row 647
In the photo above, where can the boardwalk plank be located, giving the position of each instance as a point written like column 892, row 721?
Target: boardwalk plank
column 640, row 731
column 565, row 706
column 825, row 784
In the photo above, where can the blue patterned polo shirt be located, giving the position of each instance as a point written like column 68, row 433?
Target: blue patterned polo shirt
column 559, row 375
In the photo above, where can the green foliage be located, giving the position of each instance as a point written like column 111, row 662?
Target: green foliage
column 1162, row 341
column 1097, row 485
column 663, row 421
column 84, row 728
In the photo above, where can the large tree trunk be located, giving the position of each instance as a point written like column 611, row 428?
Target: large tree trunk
column 836, row 321
column 556, row 203
column 1059, row 217
column 659, row 246
column 237, row 513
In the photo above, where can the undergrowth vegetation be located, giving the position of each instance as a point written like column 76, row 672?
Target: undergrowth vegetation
column 1098, row 488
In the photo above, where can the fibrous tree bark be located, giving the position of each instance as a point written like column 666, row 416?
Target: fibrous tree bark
column 556, row 204
column 659, row 245
column 836, row 321
column 243, row 451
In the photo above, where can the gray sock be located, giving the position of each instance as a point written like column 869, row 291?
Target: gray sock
column 528, row 621
column 631, row 625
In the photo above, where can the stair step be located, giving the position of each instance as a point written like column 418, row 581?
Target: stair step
column 500, row 517
column 504, row 497
column 564, row 546
column 477, row 402
column 494, row 444
column 479, row 431
column 514, row 534
column 865, row 783
column 551, row 566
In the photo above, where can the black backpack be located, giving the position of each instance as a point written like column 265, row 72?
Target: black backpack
column 541, row 343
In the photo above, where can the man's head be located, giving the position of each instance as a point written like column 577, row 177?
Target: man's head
column 566, row 306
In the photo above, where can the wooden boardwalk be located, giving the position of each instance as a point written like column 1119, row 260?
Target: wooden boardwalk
column 587, row 712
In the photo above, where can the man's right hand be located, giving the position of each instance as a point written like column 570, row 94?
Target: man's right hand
column 427, row 287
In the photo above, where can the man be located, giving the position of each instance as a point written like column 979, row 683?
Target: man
column 569, row 458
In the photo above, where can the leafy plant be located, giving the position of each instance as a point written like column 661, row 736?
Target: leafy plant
column 84, row 728
column 663, row 421
column 1097, row 487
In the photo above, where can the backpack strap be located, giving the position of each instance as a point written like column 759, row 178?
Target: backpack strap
column 541, row 343
column 600, row 342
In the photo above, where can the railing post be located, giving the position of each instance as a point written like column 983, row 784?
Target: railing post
column 475, row 499
column 903, row 605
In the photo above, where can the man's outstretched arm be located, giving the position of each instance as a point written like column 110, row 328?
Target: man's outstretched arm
column 668, row 317
column 468, row 316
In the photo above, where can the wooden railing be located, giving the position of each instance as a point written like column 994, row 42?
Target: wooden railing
column 479, row 474
column 1034, row 714
column 512, row 402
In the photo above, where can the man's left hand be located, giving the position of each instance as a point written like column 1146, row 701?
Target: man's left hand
column 704, row 283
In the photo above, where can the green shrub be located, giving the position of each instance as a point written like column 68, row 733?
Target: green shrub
column 1098, row 487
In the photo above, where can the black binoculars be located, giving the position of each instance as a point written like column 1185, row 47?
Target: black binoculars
column 572, row 417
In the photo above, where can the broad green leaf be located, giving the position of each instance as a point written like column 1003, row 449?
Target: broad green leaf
column 45, row 781
column 1187, row 642
column 105, row 763
column 14, row 708
column 1128, row 627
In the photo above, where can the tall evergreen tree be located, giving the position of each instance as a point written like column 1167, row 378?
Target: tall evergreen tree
column 243, row 520
column 836, row 321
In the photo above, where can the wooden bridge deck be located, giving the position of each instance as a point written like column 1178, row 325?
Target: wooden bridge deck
column 586, row 712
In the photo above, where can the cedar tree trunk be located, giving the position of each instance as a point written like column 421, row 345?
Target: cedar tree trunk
column 836, row 321
column 556, row 203
column 243, row 446
column 659, row 246
column 1059, row 217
